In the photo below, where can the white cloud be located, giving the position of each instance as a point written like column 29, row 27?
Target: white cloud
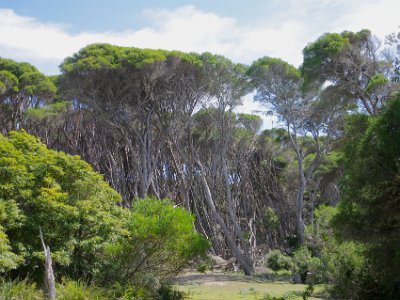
column 380, row 16
column 284, row 33
column 190, row 29
column 186, row 29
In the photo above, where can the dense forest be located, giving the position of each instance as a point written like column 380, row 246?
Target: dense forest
column 134, row 163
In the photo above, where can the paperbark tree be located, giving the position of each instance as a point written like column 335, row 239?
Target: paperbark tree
column 305, row 117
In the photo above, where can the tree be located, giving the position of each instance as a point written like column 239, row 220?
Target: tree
column 226, row 83
column 352, row 67
column 279, row 84
column 75, row 207
column 369, row 211
column 21, row 86
column 125, row 92
column 394, row 41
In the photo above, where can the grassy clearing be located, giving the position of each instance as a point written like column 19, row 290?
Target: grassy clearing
column 228, row 287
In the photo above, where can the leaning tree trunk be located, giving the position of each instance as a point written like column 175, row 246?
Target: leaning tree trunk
column 232, row 214
column 247, row 267
column 49, row 280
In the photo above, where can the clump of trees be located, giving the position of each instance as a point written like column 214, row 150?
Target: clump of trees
column 164, row 124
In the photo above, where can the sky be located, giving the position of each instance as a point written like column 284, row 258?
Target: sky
column 44, row 32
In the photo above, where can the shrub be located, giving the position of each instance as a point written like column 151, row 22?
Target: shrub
column 64, row 196
column 79, row 290
column 19, row 290
column 285, row 297
column 304, row 262
column 277, row 261
column 161, row 241
column 348, row 267
column 167, row 292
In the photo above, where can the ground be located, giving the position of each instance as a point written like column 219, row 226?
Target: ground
column 221, row 286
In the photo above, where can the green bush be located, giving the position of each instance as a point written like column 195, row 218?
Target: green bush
column 63, row 195
column 277, row 261
column 286, row 297
column 304, row 262
column 349, row 269
column 89, row 235
column 161, row 241
column 19, row 290
column 79, row 290
column 167, row 292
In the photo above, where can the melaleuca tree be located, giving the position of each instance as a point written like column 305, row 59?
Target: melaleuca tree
column 311, row 119
column 351, row 67
column 22, row 86
column 129, row 93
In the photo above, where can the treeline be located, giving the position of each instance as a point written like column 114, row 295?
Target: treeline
column 164, row 124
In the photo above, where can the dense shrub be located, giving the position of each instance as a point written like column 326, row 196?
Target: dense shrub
column 19, row 290
column 79, row 290
column 76, row 209
column 370, row 207
column 277, row 261
column 161, row 240
column 348, row 268
column 304, row 262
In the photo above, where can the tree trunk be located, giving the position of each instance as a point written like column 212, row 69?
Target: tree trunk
column 247, row 268
column 232, row 214
column 49, row 280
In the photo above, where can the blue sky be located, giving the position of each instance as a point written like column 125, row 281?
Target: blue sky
column 118, row 15
column 44, row 32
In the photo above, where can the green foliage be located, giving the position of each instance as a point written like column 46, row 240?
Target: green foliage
column 263, row 65
column 78, row 290
column 318, row 53
column 308, row 292
column 25, row 79
column 250, row 122
column 19, row 290
column 167, row 292
column 287, row 297
column 370, row 190
column 105, row 56
column 277, row 261
column 161, row 241
column 370, row 209
column 97, row 56
column 348, row 269
column 271, row 219
column 61, row 194
column 343, row 264
column 47, row 111
column 22, row 86
column 376, row 81
column 304, row 262
column 321, row 232
column 204, row 263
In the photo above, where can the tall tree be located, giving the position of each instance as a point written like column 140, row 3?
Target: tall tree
column 22, row 86
column 353, row 67
column 305, row 116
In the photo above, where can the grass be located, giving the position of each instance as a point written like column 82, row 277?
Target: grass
column 240, row 287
